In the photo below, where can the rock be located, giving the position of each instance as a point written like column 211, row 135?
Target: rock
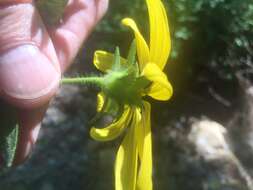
column 210, row 142
column 209, row 139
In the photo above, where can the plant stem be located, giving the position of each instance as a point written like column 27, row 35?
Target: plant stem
column 84, row 80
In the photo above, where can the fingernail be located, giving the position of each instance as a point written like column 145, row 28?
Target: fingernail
column 23, row 153
column 28, row 150
column 26, row 73
column 35, row 133
column 26, row 144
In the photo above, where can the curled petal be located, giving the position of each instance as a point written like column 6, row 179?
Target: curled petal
column 113, row 130
column 127, row 159
column 144, row 143
column 100, row 101
column 103, row 60
column 160, row 42
column 142, row 47
column 161, row 88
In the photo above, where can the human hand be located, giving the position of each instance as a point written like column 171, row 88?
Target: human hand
column 33, row 56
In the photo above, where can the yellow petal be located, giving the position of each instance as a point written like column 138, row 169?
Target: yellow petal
column 127, row 159
column 144, row 143
column 160, row 42
column 142, row 47
column 103, row 60
column 161, row 89
column 113, row 130
column 100, row 101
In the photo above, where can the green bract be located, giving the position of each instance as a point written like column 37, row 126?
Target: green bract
column 122, row 83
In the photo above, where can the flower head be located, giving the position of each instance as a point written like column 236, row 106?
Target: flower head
column 126, row 83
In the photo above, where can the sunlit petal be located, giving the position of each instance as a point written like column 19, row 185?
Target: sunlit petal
column 161, row 88
column 103, row 60
column 127, row 159
column 160, row 42
column 113, row 130
column 144, row 143
column 142, row 47
column 100, row 101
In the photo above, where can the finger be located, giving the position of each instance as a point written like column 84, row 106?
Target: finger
column 29, row 126
column 29, row 68
column 11, row 2
column 79, row 18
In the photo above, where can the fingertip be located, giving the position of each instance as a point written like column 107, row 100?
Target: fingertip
column 79, row 19
column 29, row 127
column 102, row 8
column 27, row 77
column 25, row 146
column 32, row 103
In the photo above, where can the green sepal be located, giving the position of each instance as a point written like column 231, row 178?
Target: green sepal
column 142, row 82
column 131, row 58
column 51, row 11
column 123, row 82
column 117, row 64
column 132, row 53
column 8, row 133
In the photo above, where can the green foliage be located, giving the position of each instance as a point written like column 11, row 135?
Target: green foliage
column 8, row 134
column 217, row 34
column 51, row 10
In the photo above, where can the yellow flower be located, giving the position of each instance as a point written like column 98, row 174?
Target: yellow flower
column 133, row 166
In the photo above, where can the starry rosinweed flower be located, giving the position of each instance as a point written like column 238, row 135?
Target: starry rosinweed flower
column 123, row 87
column 125, row 84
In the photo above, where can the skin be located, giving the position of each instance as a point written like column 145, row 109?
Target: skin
column 34, row 56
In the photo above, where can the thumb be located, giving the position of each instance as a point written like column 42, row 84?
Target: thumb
column 29, row 68
column 27, row 78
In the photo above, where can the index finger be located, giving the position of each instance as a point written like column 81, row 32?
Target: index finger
column 79, row 19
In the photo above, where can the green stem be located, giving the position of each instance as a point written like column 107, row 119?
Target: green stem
column 84, row 80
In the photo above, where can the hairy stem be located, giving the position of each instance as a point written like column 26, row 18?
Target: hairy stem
column 98, row 81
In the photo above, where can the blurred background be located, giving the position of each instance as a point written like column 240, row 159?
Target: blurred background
column 202, row 137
